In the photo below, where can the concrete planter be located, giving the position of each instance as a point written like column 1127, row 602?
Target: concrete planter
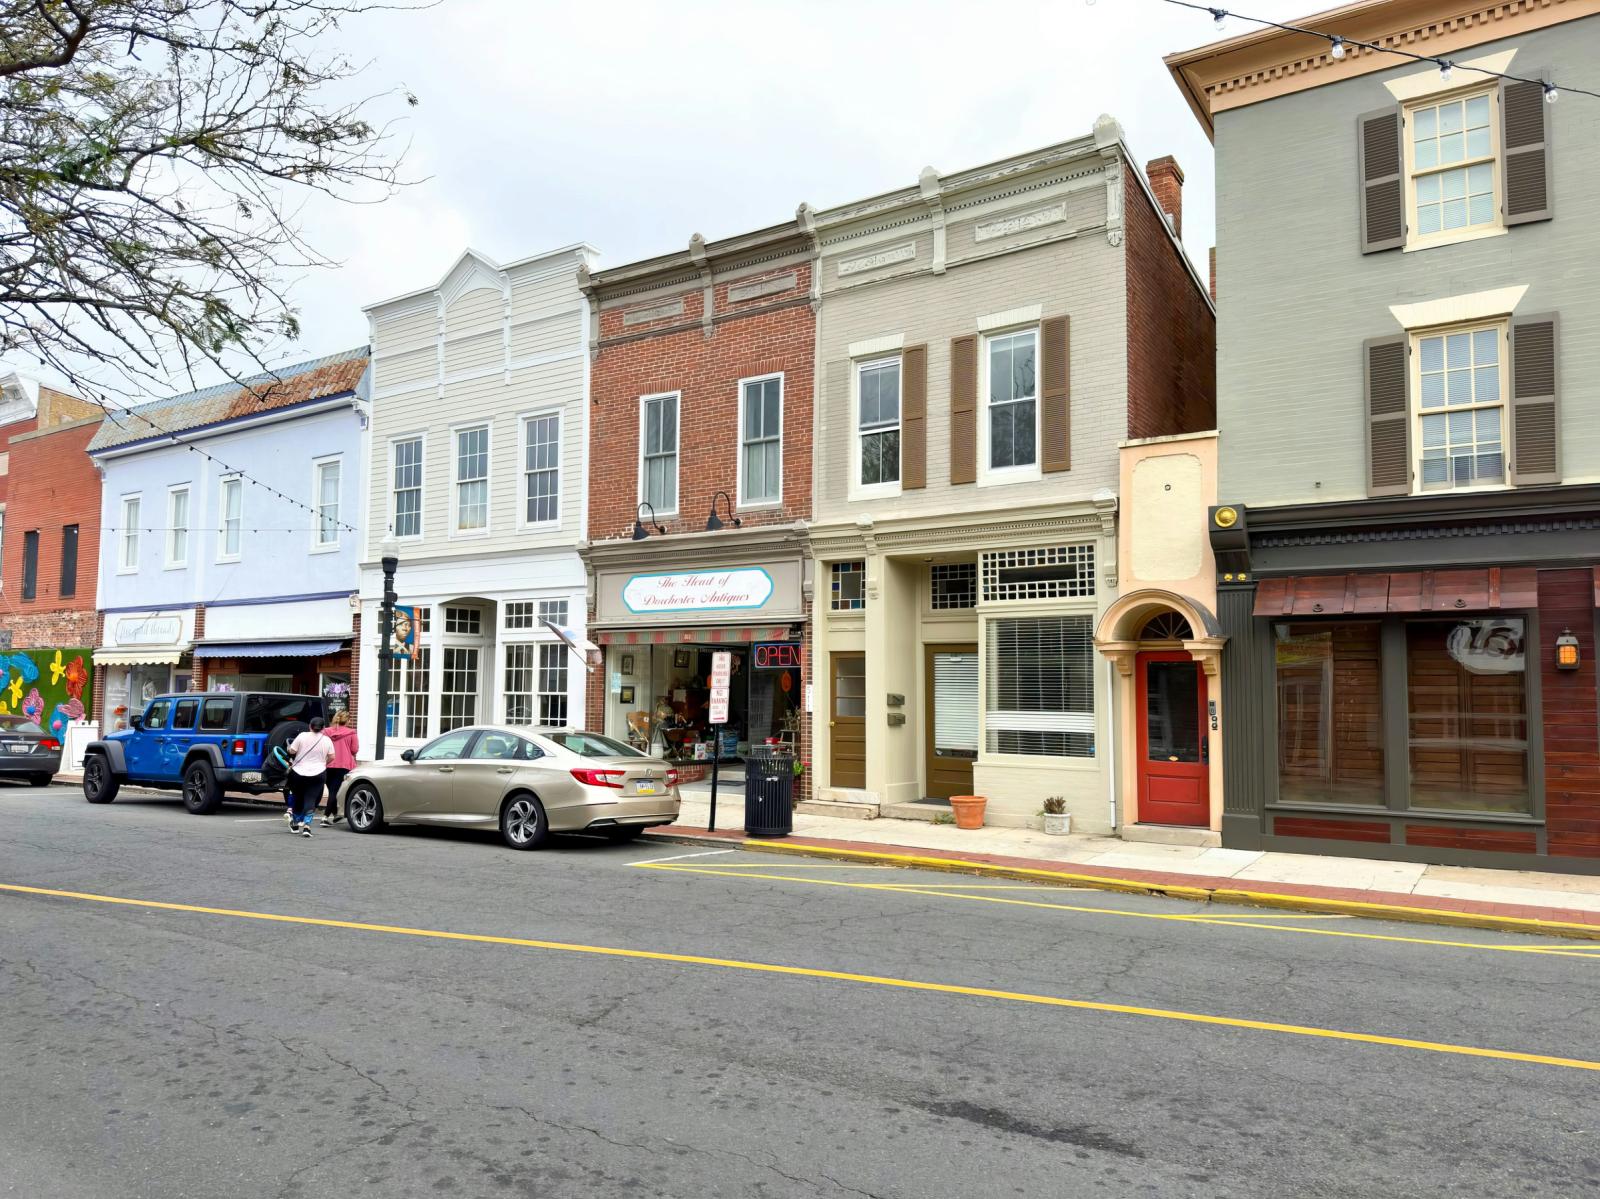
column 1058, row 824
column 968, row 810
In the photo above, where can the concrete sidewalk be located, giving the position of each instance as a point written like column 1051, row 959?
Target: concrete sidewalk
column 1521, row 900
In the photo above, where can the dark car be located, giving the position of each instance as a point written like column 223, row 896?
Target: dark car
column 27, row 751
column 201, row 743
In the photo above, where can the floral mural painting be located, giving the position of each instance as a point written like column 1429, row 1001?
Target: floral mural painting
column 50, row 686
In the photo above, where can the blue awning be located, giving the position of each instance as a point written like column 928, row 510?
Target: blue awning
column 267, row 649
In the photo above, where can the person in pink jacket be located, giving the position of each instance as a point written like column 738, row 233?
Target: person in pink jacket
column 343, row 762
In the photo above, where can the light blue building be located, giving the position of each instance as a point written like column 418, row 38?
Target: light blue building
column 230, row 543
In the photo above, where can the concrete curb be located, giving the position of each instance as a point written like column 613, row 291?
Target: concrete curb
column 1097, row 882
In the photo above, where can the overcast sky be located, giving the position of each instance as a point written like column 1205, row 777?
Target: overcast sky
column 632, row 125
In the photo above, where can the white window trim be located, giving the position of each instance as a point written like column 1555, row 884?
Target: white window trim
column 168, row 561
column 523, row 523
column 987, row 475
column 319, row 546
column 123, row 565
column 743, row 503
column 987, row 757
column 1502, row 325
column 229, row 480
column 456, row 532
column 677, row 451
column 873, row 491
column 422, row 490
column 1450, row 237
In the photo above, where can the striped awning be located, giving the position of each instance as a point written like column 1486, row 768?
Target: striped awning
column 709, row 635
column 115, row 656
column 268, row 649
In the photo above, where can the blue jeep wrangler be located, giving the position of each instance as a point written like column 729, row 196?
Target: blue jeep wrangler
column 202, row 743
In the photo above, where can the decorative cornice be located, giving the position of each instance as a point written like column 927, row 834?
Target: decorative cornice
column 1265, row 64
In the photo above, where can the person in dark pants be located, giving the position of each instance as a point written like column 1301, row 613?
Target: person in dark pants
column 309, row 755
column 344, row 761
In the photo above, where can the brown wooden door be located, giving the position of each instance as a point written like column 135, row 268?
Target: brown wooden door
column 847, row 720
column 951, row 712
column 1174, row 757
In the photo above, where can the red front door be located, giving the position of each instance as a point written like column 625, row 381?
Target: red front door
column 1174, row 755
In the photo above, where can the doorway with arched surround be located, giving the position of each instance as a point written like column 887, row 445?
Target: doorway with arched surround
column 1166, row 648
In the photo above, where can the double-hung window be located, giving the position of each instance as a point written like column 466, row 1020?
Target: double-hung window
column 658, row 445
column 1461, row 389
column 472, row 479
column 405, row 482
column 878, row 423
column 541, row 469
column 1011, row 403
column 1451, row 159
column 1040, row 686
column 327, row 474
column 761, row 440
column 230, row 519
column 177, row 527
column 128, row 535
column 69, row 561
column 30, row 564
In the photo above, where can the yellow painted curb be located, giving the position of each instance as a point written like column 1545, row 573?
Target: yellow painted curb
column 1258, row 899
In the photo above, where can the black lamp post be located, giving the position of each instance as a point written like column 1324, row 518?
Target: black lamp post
column 714, row 522
column 639, row 531
column 385, row 631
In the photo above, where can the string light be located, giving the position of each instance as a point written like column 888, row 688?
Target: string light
column 1339, row 46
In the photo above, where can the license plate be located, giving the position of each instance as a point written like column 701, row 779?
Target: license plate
column 19, row 749
column 250, row 776
column 646, row 789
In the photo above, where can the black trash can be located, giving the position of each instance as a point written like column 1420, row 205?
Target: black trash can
column 769, row 791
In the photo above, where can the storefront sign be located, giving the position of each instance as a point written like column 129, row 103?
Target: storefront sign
column 776, row 655
column 149, row 630
column 697, row 592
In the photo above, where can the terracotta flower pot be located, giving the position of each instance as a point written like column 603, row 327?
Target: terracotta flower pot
column 968, row 810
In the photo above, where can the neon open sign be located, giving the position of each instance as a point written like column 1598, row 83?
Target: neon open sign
column 777, row 655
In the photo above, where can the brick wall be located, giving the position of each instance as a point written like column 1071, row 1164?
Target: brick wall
column 97, row 709
column 1172, row 332
column 14, row 429
column 200, row 675
column 761, row 336
column 52, row 485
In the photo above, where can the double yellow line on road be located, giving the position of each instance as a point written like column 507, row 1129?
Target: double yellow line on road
column 875, row 980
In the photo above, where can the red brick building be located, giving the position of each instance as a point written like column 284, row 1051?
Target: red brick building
column 700, row 461
column 50, row 497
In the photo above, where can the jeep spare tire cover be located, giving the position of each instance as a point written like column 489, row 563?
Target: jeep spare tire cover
column 282, row 735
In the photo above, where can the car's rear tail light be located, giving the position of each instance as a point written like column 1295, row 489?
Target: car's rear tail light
column 599, row 778
column 49, row 743
column 238, row 746
column 672, row 778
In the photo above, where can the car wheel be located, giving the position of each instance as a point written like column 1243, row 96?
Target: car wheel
column 99, row 783
column 41, row 780
column 363, row 810
column 620, row 834
column 522, row 822
column 202, row 794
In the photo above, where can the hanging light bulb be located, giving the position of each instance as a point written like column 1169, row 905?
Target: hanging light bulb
column 1337, row 49
column 1221, row 16
column 1551, row 95
column 1444, row 70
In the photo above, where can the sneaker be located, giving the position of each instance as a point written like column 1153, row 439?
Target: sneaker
column 305, row 829
column 327, row 822
column 288, row 817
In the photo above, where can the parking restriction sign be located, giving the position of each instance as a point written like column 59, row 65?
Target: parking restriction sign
column 721, row 674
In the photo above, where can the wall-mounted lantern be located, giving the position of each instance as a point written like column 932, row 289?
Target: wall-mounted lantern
column 639, row 531
column 1567, row 654
column 714, row 522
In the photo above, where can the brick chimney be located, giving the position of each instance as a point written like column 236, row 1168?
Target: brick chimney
column 1166, row 180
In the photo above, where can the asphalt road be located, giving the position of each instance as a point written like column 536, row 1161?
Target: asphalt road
column 161, row 1052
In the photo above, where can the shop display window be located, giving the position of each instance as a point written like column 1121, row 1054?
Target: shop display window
column 659, row 696
column 1330, row 712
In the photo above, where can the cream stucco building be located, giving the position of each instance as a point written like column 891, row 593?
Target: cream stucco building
column 985, row 341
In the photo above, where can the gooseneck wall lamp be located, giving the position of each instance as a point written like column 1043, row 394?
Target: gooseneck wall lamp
column 714, row 522
column 639, row 531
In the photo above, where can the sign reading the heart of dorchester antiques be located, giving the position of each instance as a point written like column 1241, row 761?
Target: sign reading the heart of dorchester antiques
column 703, row 591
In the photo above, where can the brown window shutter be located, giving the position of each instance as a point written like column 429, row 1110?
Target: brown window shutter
column 1383, row 212
column 914, row 418
column 1388, row 416
column 1535, row 423
column 1055, row 411
column 964, row 409
column 1525, row 152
